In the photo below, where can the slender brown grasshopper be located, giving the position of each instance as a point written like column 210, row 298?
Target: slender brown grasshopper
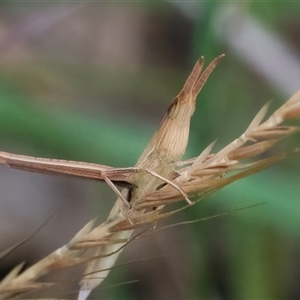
column 157, row 163
column 155, row 167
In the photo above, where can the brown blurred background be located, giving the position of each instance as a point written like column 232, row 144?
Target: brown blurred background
column 91, row 82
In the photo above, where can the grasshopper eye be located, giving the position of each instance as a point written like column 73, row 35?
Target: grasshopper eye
column 173, row 109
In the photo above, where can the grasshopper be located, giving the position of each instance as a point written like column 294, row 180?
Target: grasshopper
column 156, row 164
column 155, row 167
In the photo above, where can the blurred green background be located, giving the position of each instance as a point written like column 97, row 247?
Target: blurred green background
column 91, row 82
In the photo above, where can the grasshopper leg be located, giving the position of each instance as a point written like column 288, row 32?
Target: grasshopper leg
column 175, row 186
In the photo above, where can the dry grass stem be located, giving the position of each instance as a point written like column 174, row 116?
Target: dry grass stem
column 161, row 179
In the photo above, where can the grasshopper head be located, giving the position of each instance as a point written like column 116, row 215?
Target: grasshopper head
column 170, row 141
